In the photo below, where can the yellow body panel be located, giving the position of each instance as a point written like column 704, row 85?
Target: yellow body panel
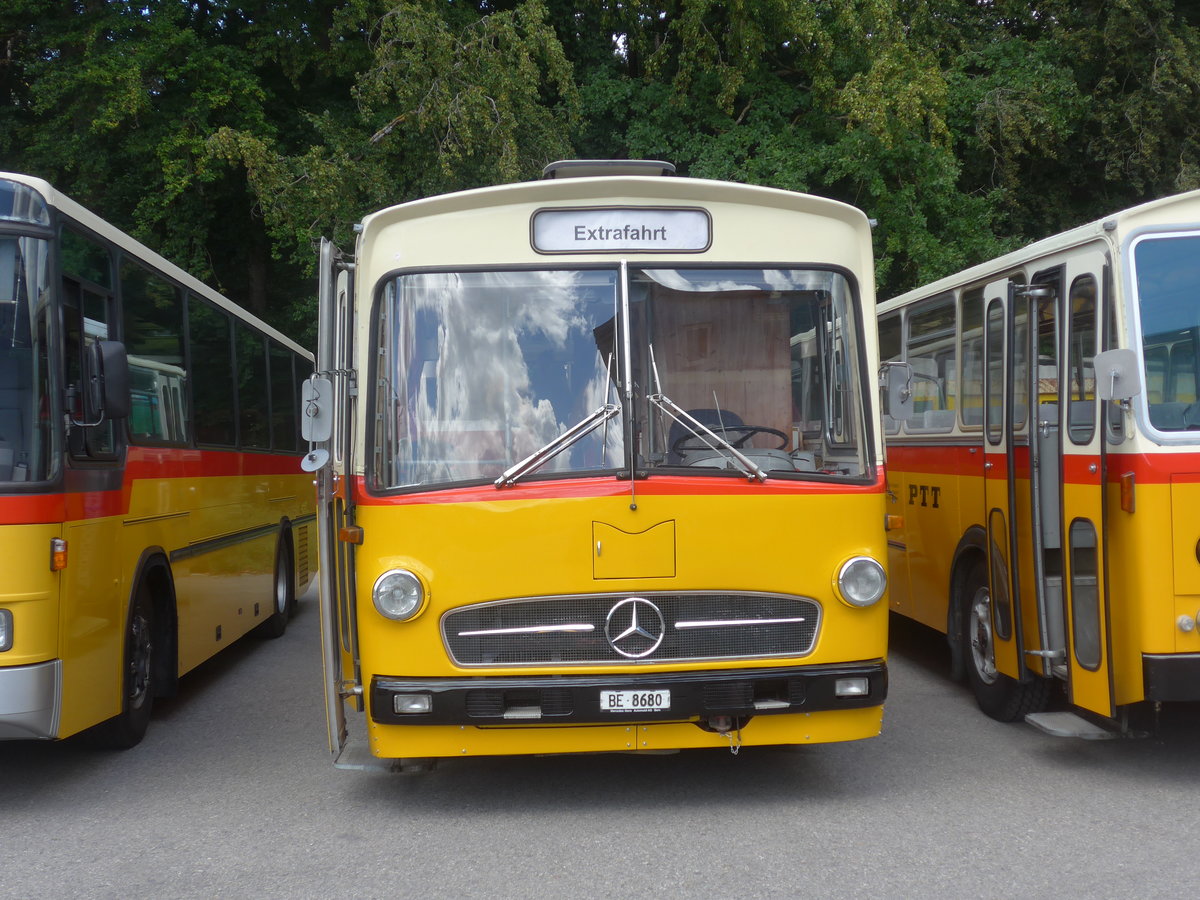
column 30, row 591
column 1153, row 569
column 78, row 615
column 471, row 553
column 936, row 509
column 93, row 624
column 475, row 552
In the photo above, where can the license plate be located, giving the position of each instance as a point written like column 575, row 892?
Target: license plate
column 635, row 701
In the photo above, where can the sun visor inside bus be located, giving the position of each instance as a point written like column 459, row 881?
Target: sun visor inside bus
column 719, row 280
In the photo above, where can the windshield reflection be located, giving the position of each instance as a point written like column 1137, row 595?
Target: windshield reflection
column 485, row 368
column 510, row 375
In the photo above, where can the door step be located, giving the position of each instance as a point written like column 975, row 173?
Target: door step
column 356, row 756
column 1069, row 724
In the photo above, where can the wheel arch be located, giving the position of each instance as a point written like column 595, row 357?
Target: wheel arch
column 286, row 541
column 971, row 547
column 154, row 574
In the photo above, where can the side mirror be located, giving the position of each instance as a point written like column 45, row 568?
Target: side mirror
column 316, row 420
column 1117, row 375
column 896, row 379
column 316, row 409
column 106, row 383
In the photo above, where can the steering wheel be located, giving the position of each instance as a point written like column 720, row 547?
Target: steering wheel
column 693, row 442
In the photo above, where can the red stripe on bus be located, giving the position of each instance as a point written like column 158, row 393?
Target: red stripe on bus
column 31, row 509
column 585, row 488
column 176, row 462
column 141, row 464
column 1147, row 468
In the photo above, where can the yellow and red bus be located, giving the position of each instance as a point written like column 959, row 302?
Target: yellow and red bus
column 1049, row 478
column 152, row 509
column 599, row 470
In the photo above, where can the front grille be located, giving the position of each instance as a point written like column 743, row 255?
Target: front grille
column 576, row 629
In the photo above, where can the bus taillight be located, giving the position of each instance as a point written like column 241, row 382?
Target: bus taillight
column 58, row 554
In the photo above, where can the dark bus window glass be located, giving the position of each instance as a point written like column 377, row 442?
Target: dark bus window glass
column 152, row 311
column 285, row 398
column 971, row 386
column 87, row 302
column 212, row 370
column 995, row 372
column 253, row 403
column 85, row 260
column 890, row 349
column 1081, row 386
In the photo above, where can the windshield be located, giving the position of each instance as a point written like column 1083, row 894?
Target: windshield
column 482, row 369
column 766, row 359
column 1167, row 271
column 25, row 436
column 506, row 375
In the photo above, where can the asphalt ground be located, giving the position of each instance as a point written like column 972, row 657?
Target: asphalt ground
column 232, row 794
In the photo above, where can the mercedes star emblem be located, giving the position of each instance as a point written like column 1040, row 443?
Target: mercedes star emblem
column 634, row 627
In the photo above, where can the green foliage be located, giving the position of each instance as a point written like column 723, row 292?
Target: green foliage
column 229, row 136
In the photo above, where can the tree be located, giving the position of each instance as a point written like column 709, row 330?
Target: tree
column 447, row 99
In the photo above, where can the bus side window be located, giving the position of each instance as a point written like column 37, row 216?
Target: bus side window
column 87, row 300
column 254, row 425
column 971, row 386
column 285, row 427
column 152, row 311
column 1082, row 350
column 931, row 351
column 211, row 348
column 890, row 350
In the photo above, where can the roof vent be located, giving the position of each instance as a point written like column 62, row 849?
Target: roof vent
column 588, row 168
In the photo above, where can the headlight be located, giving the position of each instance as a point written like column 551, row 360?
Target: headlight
column 6, row 630
column 861, row 581
column 398, row 594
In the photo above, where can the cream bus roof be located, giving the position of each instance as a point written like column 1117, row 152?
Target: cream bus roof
column 490, row 226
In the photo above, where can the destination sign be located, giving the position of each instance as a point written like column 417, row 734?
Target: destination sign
column 617, row 229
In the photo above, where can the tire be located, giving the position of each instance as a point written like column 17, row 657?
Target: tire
column 127, row 728
column 283, row 594
column 999, row 696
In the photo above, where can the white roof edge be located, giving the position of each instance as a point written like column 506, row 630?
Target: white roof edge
column 616, row 186
column 94, row 222
column 1099, row 228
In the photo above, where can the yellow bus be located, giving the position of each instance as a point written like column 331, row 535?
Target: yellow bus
column 151, row 506
column 1047, row 478
column 599, row 470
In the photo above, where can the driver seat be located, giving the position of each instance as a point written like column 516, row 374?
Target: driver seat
column 710, row 418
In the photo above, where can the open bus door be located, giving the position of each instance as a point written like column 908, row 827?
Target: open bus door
column 993, row 619
column 1051, row 495
column 1088, row 641
column 339, row 633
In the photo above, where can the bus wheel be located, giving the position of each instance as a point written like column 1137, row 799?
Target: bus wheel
column 283, row 594
column 128, row 727
column 1001, row 697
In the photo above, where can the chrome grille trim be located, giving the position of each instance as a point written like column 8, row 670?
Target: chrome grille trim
column 729, row 623
column 569, row 630
column 532, row 629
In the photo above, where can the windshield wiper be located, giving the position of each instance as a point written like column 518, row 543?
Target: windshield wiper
column 543, row 455
column 710, row 438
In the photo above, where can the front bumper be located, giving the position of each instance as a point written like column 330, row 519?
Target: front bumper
column 30, row 701
column 1171, row 677
column 575, row 700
